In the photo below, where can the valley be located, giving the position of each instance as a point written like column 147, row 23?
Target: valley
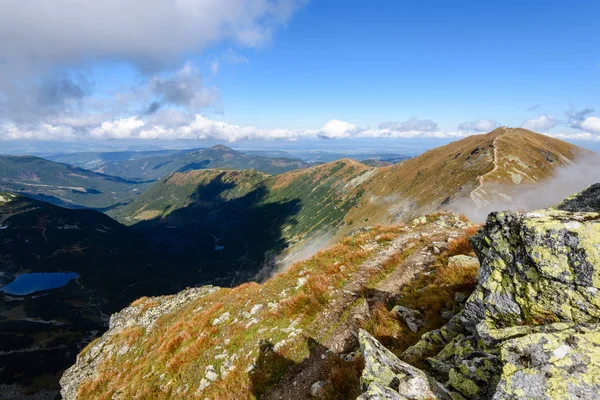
column 72, row 268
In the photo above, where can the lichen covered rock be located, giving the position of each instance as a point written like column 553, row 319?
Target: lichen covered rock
column 383, row 368
column 560, row 365
column 531, row 328
column 537, row 267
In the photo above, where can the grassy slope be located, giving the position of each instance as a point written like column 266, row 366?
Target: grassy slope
column 315, row 198
column 183, row 189
column 274, row 329
column 450, row 173
column 63, row 184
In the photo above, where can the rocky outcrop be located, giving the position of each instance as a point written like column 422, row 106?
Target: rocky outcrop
column 141, row 314
column 531, row 327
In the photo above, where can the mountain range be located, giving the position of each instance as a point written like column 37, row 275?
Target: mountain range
column 474, row 175
column 221, row 225
column 63, row 184
column 153, row 165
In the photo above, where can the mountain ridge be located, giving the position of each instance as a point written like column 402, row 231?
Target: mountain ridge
column 156, row 166
column 63, row 184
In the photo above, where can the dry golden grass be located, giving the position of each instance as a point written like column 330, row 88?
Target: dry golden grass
column 455, row 169
column 461, row 244
column 176, row 351
column 139, row 301
column 429, row 294
column 182, row 343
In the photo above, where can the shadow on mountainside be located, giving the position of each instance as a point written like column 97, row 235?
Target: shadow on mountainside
column 222, row 239
column 271, row 367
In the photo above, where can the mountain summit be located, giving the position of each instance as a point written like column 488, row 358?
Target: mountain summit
column 471, row 174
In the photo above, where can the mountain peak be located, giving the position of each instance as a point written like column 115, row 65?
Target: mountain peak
column 221, row 147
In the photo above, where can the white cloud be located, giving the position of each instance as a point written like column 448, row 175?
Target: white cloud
column 481, row 125
column 336, row 129
column 575, row 118
column 228, row 57
column 543, row 123
column 591, row 124
column 144, row 32
column 119, row 129
column 173, row 124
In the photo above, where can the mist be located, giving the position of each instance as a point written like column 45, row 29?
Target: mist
column 567, row 180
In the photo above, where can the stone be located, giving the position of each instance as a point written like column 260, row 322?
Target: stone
column 462, row 261
column 535, row 270
column 317, row 389
column 211, row 374
column 560, row 365
column 384, row 368
column 256, row 308
column 222, row 318
column 412, row 318
column 376, row 391
column 301, row 282
column 132, row 316
column 586, row 201
column 459, row 297
column 352, row 356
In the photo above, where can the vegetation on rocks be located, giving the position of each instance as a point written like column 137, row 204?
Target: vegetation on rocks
column 530, row 328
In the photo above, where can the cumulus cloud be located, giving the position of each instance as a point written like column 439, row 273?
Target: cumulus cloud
column 543, row 123
column 119, row 129
column 336, row 129
column 174, row 124
column 481, row 125
column 41, row 40
column 228, row 57
column 49, row 94
column 148, row 33
column 591, row 124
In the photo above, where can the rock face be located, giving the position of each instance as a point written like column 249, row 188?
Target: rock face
column 531, row 327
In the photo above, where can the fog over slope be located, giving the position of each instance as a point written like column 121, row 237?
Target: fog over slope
column 566, row 181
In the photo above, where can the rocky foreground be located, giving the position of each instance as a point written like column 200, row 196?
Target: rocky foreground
column 530, row 330
column 527, row 328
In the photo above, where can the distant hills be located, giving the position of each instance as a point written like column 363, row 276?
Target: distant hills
column 63, row 184
column 153, row 165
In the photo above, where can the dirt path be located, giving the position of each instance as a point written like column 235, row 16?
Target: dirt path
column 340, row 321
column 478, row 198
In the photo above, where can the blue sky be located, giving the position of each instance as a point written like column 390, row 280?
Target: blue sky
column 250, row 71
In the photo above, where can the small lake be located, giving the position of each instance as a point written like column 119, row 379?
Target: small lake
column 38, row 281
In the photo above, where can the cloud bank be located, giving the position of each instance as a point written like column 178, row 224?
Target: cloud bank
column 147, row 33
